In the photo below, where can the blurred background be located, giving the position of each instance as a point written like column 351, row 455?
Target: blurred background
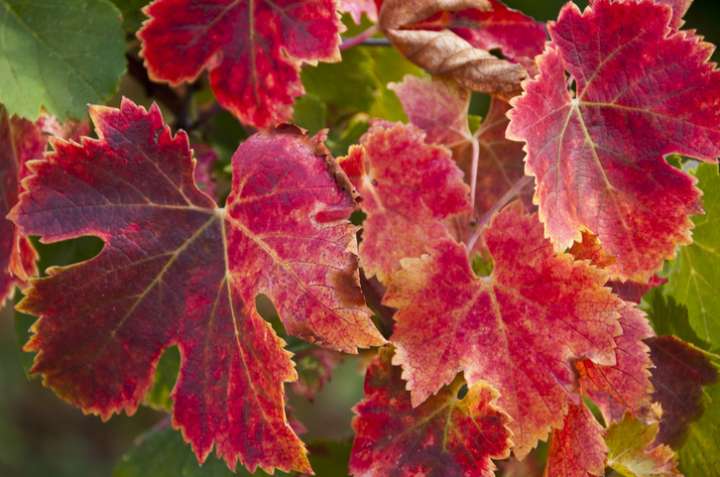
column 42, row 436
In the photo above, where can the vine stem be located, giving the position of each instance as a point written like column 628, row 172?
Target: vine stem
column 513, row 192
column 359, row 39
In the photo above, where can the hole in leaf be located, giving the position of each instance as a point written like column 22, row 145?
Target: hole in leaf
column 462, row 392
column 158, row 397
column 267, row 311
column 358, row 217
column 482, row 266
column 66, row 252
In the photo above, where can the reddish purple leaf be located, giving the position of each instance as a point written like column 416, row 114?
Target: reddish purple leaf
column 680, row 372
column 447, row 435
column 253, row 51
column 176, row 270
column 20, row 141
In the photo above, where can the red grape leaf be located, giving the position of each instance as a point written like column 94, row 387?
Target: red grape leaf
column 629, row 290
column 410, row 25
column 437, row 106
column 632, row 450
column 520, row 329
column 176, row 270
column 407, row 187
column 680, row 372
column 20, row 141
column 624, row 387
column 631, row 73
column 578, row 449
column 253, row 50
column 356, row 9
column 518, row 36
column 205, row 159
column 679, row 8
column 446, row 435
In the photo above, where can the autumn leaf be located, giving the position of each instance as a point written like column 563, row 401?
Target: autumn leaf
column 680, row 372
column 679, row 8
column 442, row 52
column 408, row 187
column 20, row 141
column 520, row 329
column 447, row 435
column 518, row 36
column 632, row 450
column 628, row 72
column 578, row 448
column 624, row 387
column 252, row 50
column 176, row 270
column 437, row 106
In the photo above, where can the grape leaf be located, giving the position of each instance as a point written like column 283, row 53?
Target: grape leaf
column 578, row 448
column 407, row 187
column 624, row 387
column 679, row 8
column 679, row 374
column 447, row 435
column 164, row 454
column 252, row 50
column 699, row 456
column 518, row 36
column 205, row 159
column 589, row 248
column 356, row 9
column 20, row 141
column 520, row 329
column 59, row 69
column 630, row 73
column 437, row 106
column 442, row 52
column 176, row 270
column 632, row 451
column 695, row 274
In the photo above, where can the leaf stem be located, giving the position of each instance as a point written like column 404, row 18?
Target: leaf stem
column 474, row 173
column 359, row 39
column 513, row 192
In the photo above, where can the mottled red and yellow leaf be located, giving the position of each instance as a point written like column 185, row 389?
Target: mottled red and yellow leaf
column 578, row 449
column 408, row 187
column 521, row 329
column 638, row 91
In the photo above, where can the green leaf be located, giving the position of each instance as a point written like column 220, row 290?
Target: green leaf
column 700, row 455
column 132, row 13
column 60, row 55
column 164, row 454
column 330, row 458
column 158, row 397
column 347, row 87
column 632, row 453
column 310, row 113
column 390, row 66
column 670, row 319
column 694, row 276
